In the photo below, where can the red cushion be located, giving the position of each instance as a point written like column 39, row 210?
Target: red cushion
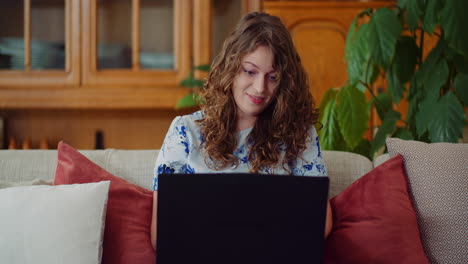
column 374, row 220
column 128, row 218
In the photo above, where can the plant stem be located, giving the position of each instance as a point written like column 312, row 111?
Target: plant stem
column 421, row 46
column 368, row 87
column 367, row 71
column 437, row 34
column 372, row 93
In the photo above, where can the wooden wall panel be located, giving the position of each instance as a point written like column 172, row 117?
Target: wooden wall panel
column 324, row 62
column 319, row 32
column 122, row 129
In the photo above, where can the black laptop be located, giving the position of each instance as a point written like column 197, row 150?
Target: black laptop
column 240, row 218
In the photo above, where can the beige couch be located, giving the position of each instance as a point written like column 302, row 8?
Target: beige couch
column 136, row 166
column 443, row 165
column 73, row 219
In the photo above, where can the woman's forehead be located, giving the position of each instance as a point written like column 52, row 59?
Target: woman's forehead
column 261, row 58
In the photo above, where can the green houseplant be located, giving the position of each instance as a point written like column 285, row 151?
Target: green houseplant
column 390, row 45
column 194, row 84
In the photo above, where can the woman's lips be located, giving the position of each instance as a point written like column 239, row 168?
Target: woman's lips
column 256, row 99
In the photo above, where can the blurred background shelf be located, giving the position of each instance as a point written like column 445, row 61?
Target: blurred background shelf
column 113, row 66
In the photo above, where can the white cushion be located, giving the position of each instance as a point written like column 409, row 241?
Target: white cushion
column 53, row 224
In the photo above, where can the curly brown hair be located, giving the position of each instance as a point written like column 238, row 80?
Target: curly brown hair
column 283, row 125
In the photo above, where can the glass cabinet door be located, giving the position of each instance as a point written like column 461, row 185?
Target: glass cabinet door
column 155, row 30
column 114, row 34
column 47, row 34
column 140, row 43
column 156, row 36
column 36, row 43
column 11, row 35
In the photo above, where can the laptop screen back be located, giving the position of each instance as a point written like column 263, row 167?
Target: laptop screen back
column 240, row 218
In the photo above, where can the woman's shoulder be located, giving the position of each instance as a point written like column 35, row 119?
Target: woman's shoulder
column 186, row 124
column 313, row 132
column 190, row 119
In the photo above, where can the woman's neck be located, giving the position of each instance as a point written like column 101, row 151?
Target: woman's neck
column 245, row 122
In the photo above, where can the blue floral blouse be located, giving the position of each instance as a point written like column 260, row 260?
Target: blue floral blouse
column 181, row 152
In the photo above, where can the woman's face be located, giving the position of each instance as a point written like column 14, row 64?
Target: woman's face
column 254, row 86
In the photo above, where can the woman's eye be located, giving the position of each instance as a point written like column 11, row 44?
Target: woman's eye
column 272, row 78
column 249, row 72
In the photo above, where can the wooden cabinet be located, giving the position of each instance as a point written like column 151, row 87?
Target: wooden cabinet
column 155, row 62
column 106, row 64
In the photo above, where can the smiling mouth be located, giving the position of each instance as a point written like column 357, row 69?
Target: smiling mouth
column 256, row 99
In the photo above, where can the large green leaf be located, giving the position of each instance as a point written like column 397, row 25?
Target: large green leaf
column 190, row 100
column 386, row 129
column 431, row 16
column 434, row 72
column 424, row 115
column 437, row 77
column 330, row 132
column 461, row 63
column 369, row 104
column 395, row 87
column 330, row 94
column 414, row 11
column 355, row 67
column 431, row 61
column 360, row 66
column 358, row 54
column 453, row 20
column 413, row 108
column 447, row 120
column 350, row 38
column 384, row 31
column 403, row 3
column 403, row 66
column 363, row 148
column 383, row 105
column 406, row 57
column 352, row 115
column 416, row 95
column 461, row 87
column 372, row 73
column 415, row 86
column 403, row 133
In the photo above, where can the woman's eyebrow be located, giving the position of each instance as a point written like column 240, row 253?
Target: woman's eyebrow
column 253, row 64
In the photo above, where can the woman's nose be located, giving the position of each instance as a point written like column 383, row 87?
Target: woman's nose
column 260, row 84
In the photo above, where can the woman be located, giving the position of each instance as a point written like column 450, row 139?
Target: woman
column 257, row 112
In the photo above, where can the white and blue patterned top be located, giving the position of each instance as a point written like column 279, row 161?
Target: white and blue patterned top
column 182, row 152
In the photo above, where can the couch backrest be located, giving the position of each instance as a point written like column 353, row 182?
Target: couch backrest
column 344, row 168
column 136, row 166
